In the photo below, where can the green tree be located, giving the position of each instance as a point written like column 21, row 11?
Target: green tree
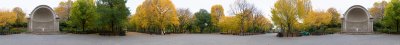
column 113, row 15
column 203, row 20
column 392, row 15
column 83, row 15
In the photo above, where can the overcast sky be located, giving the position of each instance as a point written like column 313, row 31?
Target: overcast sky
column 195, row 5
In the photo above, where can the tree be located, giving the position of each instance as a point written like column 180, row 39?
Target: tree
column 317, row 18
column 286, row 13
column 251, row 19
column 20, row 17
column 203, row 20
column 260, row 23
column 303, row 8
column 217, row 12
column 392, row 15
column 7, row 18
column 335, row 18
column 185, row 20
column 63, row 12
column 113, row 15
column 229, row 24
column 320, row 22
column 63, row 9
column 283, row 15
column 244, row 11
column 83, row 15
column 377, row 10
column 137, row 21
column 159, row 16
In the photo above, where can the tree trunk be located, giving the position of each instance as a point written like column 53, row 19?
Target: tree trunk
column 112, row 26
column 397, row 26
column 242, row 26
column 83, row 25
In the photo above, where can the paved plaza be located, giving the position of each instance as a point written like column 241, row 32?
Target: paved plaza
column 134, row 38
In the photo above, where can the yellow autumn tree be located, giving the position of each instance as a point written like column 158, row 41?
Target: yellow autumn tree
column 229, row 24
column 249, row 16
column 335, row 19
column 217, row 12
column 20, row 15
column 7, row 18
column 287, row 14
column 303, row 8
column 260, row 24
column 317, row 18
column 245, row 12
column 284, row 15
column 138, row 21
column 158, row 16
